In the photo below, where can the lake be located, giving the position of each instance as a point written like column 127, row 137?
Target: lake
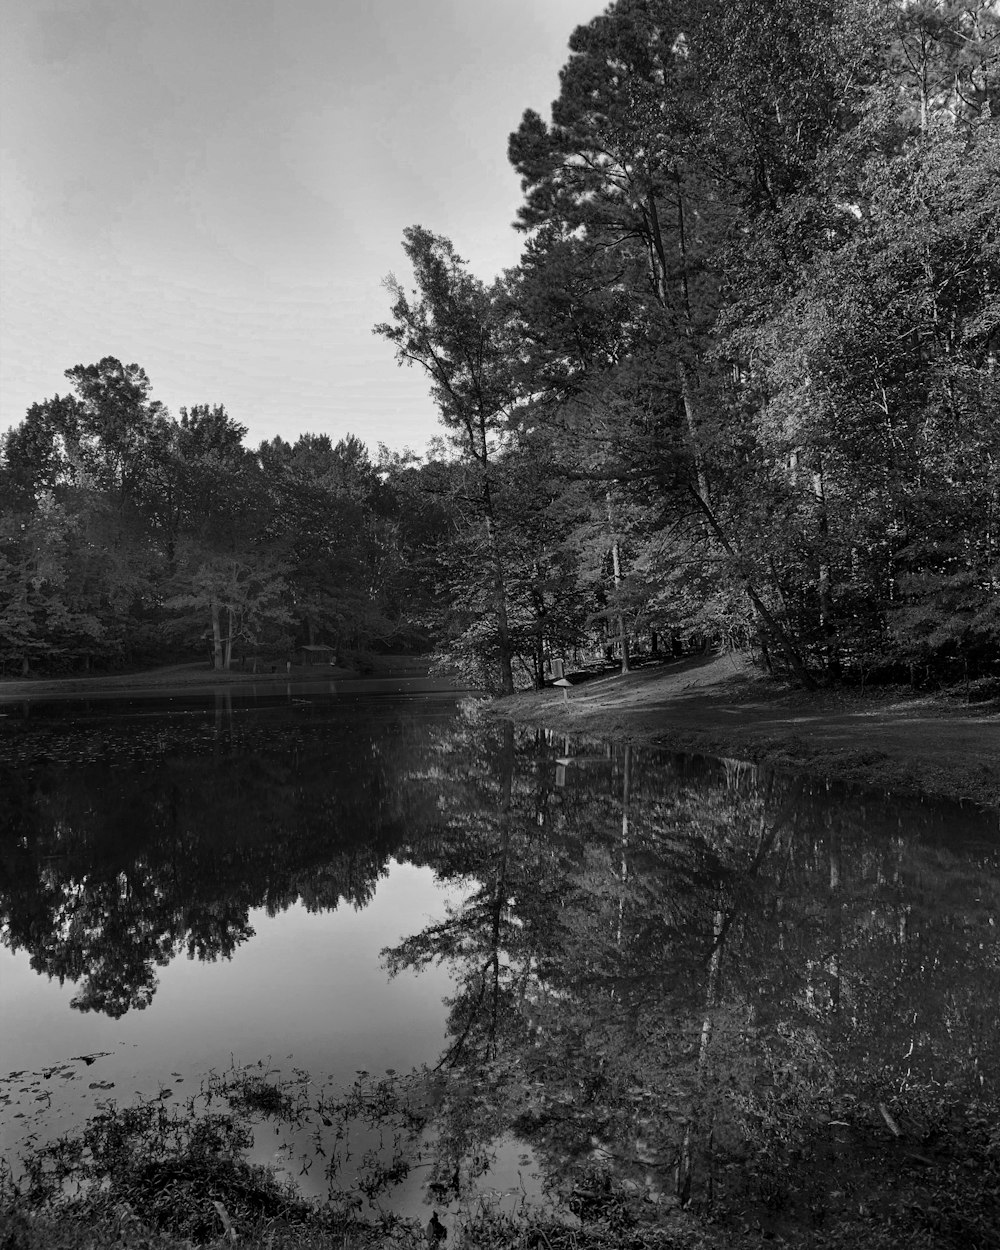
column 488, row 963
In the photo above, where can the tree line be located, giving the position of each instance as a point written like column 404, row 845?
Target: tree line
column 128, row 534
column 742, row 385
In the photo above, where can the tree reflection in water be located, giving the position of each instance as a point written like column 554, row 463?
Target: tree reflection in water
column 702, row 982
column 126, row 843
column 690, row 977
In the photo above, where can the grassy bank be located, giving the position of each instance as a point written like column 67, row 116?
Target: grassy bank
column 719, row 705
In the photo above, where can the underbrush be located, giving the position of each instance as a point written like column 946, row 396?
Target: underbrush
column 156, row 1176
column 818, row 1175
column 919, row 1172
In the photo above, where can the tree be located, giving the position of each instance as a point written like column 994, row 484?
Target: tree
column 945, row 56
column 243, row 596
column 459, row 331
column 873, row 380
column 191, row 475
column 49, row 595
column 631, row 168
column 113, row 429
column 332, row 523
column 214, row 514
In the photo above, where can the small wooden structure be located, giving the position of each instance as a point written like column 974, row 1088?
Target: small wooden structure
column 318, row 655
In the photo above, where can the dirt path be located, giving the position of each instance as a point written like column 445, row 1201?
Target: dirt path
column 718, row 706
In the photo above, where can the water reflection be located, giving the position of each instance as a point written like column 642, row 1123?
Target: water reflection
column 682, row 971
column 679, row 973
column 129, row 839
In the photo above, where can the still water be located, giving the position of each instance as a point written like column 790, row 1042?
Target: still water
column 681, row 971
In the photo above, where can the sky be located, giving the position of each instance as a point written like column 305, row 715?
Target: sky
column 215, row 189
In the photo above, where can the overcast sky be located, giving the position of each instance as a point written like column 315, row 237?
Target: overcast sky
column 215, row 189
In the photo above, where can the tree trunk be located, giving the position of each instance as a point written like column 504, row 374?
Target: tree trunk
column 780, row 636
column 836, row 926
column 500, row 891
column 685, row 1168
column 616, row 568
column 626, row 799
column 538, row 603
column 216, row 637
column 827, row 627
column 499, row 594
column 683, row 317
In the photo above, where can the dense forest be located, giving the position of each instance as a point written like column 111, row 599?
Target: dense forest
column 743, row 385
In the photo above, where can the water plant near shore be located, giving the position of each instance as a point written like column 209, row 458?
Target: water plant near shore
column 156, row 1177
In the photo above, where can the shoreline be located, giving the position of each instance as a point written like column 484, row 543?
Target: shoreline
column 163, row 677
column 929, row 746
column 717, row 705
column 194, row 678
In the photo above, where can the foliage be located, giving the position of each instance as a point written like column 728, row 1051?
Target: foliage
column 741, row 385
column 166, row 1174
column 752, row 339
column 458, row 330
column 125, row 532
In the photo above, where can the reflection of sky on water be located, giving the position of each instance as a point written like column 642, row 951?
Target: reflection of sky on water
column 307, row 990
